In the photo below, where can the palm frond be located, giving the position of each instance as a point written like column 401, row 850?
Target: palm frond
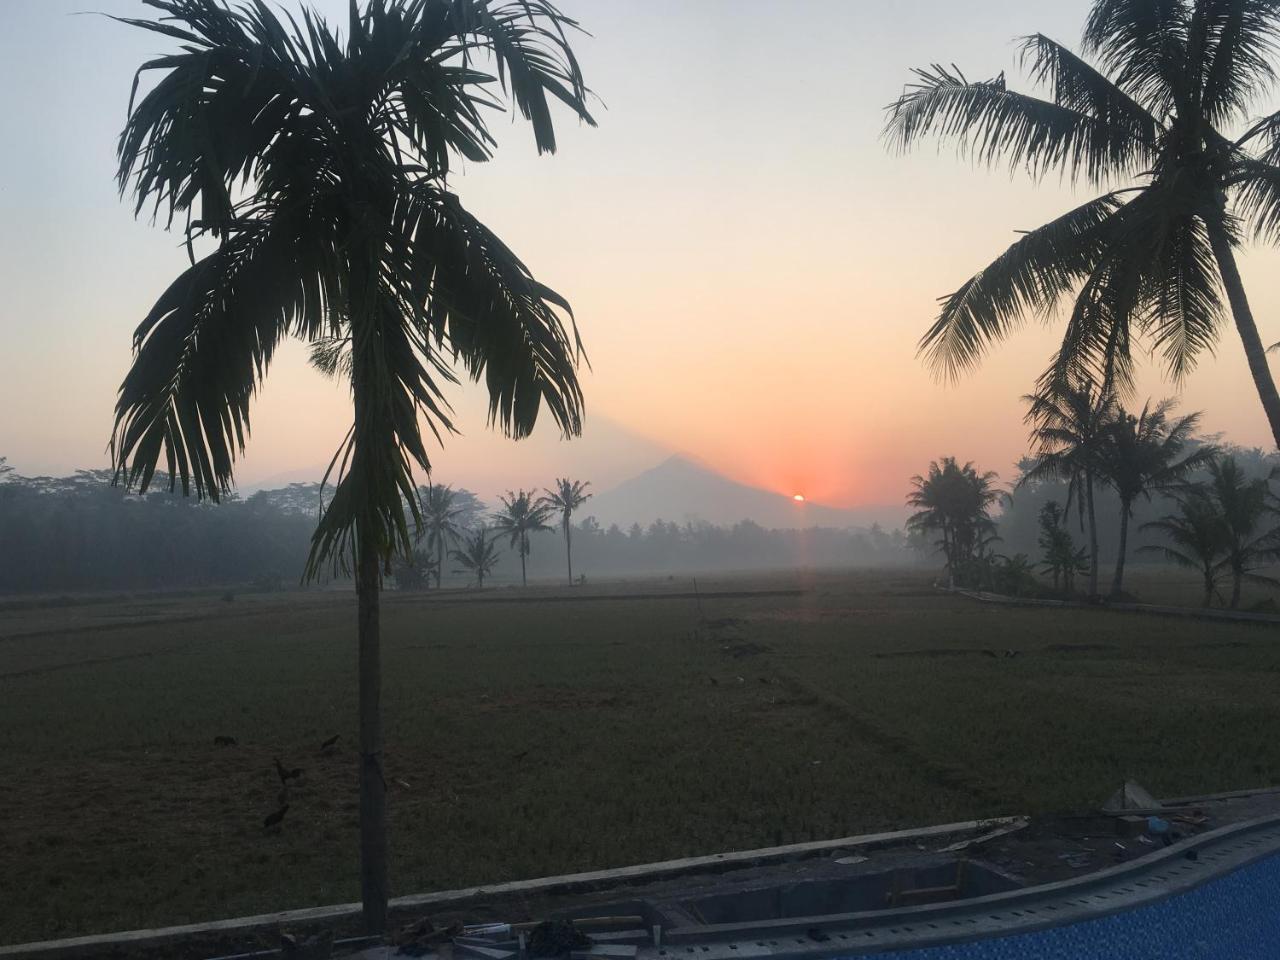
column 1078, row 86
column 1257, row 196
column 991, row 123
column 1239, row 42
column 487, row 309
column 1029, row 277
column 219, row 104
column 528, row 40
column 199, row 356
column 1143, row 45
column 1186, row 309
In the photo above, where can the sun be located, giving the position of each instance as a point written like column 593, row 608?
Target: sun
column 798, row 498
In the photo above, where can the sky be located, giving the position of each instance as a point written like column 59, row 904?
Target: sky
column 750, row 266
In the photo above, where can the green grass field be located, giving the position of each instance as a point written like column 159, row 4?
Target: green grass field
column 534, row 738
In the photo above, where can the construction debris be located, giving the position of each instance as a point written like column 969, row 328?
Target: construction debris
column 1131, row 796
column 556, row 938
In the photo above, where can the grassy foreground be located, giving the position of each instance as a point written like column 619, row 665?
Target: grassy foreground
column 533, row 738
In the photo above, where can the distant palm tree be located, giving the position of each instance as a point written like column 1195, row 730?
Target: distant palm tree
column 1248, row 520
column 955, row 502
column 1149, row 259
column 440, row 523
column 1069, row 424
column 1195, row 539
column 520, row 516
column 1061, row 558
column 479, row 554
column 567, row 497
column 317, row 161
column 1147, row 454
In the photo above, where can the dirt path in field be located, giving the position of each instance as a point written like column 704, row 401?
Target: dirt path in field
column 936, row 772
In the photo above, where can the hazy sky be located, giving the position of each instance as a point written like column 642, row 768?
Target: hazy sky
column 750, row 268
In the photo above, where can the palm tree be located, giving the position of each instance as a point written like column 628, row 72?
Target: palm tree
column 1195, row 538
column 440, row 523
column 567, row 497
column 955, row 502
column 318, row 164
column 1147, row 454
column 479, row 554
column 1250, row 537
column 1146, row 259
column 1069, row 423
column 1061, row 558
column 520, row 516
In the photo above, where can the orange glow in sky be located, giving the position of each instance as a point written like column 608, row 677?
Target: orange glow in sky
column 751, row 274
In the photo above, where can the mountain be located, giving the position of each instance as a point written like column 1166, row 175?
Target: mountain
column 680, row 489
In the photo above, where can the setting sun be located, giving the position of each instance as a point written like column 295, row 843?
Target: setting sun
column 798, row 498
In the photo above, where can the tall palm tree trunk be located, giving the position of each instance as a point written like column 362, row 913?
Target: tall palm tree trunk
column 1093, row 535
column 373, row 788
column 1207, row 573
column 439, row 560
column 568, row 547
column 524, row 552
column 948, row 548
column 1117, row 582
column 1254, row 351
column 1237, row 578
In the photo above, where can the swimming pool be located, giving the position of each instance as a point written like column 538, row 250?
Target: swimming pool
column 1235, row 917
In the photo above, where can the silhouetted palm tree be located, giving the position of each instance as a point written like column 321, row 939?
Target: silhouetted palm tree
column 1061, row 558
column 1195, row 539
column 479, row 553
column 1247, row 515
column 318, row 165
column 1147, row 454
column 520, row 516
column 1147, row 259
column 439, row 523
column 955, row 502
column 1069, row 423
column 567, row 497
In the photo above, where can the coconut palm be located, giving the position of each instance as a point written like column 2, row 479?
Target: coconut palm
column 1147, row 123
column 953, row 501
column 479, row 553
column 1069, row 423
column 317, row 166
column 1195, row 538
column 439, row 527
column 1147, row 454
column 1248, row 521
column 520, row 516
column 567, row 497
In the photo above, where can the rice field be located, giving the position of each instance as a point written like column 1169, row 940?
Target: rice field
column 551, row 730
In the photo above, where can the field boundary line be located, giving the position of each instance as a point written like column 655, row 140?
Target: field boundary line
column 1153, row 609
column 461, row 600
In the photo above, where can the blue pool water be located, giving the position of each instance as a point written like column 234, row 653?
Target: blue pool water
column 1234, row 918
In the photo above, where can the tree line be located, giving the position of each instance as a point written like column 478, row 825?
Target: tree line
column 81, row 533
column 1208, row 508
